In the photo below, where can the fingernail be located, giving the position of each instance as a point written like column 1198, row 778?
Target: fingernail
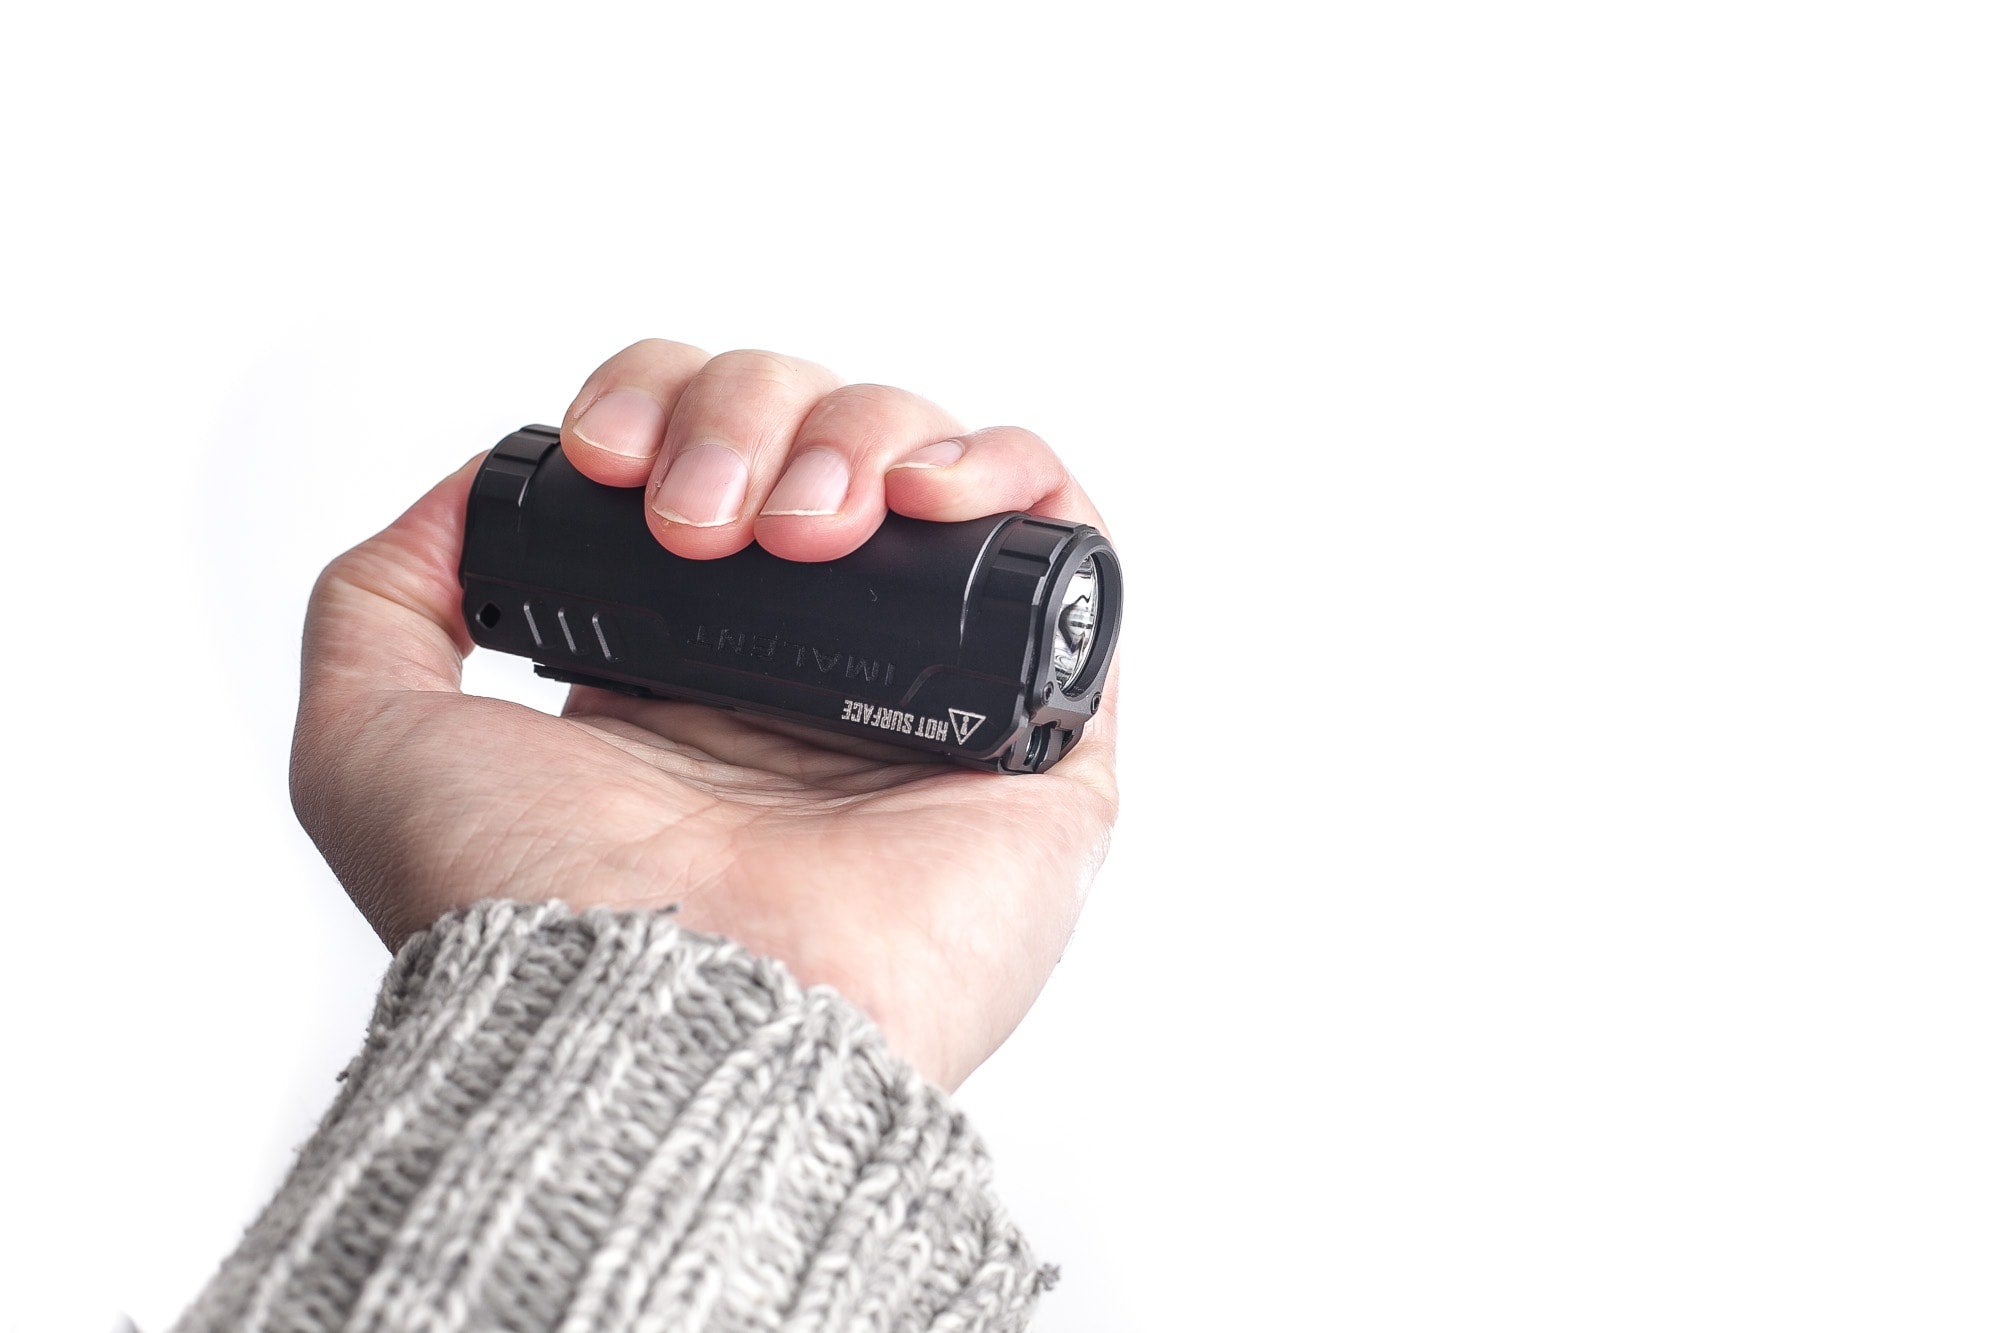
column 703, row 487
column 815, row 483
column 942, row 454
column 623, row 422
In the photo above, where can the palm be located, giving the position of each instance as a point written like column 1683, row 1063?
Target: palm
column 903, row 883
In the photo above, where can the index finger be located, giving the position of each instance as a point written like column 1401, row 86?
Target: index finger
column 614, row 430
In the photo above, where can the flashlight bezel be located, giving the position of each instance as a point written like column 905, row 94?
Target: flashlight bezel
column 1056, row 716
column 1088, row 681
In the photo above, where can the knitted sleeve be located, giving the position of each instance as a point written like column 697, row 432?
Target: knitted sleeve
column 599, row 1121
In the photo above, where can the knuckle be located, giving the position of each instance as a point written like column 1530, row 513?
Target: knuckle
column 338, row 573
column 643, row 363
column 857, row 414
column 756, row 365
column 1023, row 436
column 877, row 396
column 661, row 349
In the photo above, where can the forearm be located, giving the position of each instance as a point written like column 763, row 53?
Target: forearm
column 600, row 1121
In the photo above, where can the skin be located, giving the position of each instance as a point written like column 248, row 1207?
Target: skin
column 936, row 898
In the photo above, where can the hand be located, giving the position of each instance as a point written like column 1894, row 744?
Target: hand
column 936, row 898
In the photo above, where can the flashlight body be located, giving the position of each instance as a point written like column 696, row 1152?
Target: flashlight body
column 936, row 636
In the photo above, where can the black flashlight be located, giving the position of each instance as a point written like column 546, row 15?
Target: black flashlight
column 986, row 641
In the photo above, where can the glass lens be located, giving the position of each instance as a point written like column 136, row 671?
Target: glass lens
column 1076, row 624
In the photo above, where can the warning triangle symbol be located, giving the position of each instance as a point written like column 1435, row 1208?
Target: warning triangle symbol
column 963, row 724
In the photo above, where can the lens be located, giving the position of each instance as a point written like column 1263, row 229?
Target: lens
column 1076, row 625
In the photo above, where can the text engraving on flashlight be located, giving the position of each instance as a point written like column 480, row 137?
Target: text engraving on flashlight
column 962, row 723
column 799, row 659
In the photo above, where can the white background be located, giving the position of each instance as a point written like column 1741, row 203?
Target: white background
column 1553, row 452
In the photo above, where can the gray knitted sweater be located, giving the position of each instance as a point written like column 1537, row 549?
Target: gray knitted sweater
column 601, row 1121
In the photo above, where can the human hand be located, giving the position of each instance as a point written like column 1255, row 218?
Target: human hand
column 936, row 898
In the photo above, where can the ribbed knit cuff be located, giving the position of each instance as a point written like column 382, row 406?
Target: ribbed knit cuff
column 599, row 1121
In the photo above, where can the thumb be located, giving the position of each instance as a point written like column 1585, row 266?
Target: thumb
column 385, row 616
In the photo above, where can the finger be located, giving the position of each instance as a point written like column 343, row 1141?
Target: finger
column 986, row 472
column 614, row 429
column 386, row 614
column 828, row 499
column 989, row 472
column 729, row 436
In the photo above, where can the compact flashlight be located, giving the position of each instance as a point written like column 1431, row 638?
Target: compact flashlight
column 986, row 641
